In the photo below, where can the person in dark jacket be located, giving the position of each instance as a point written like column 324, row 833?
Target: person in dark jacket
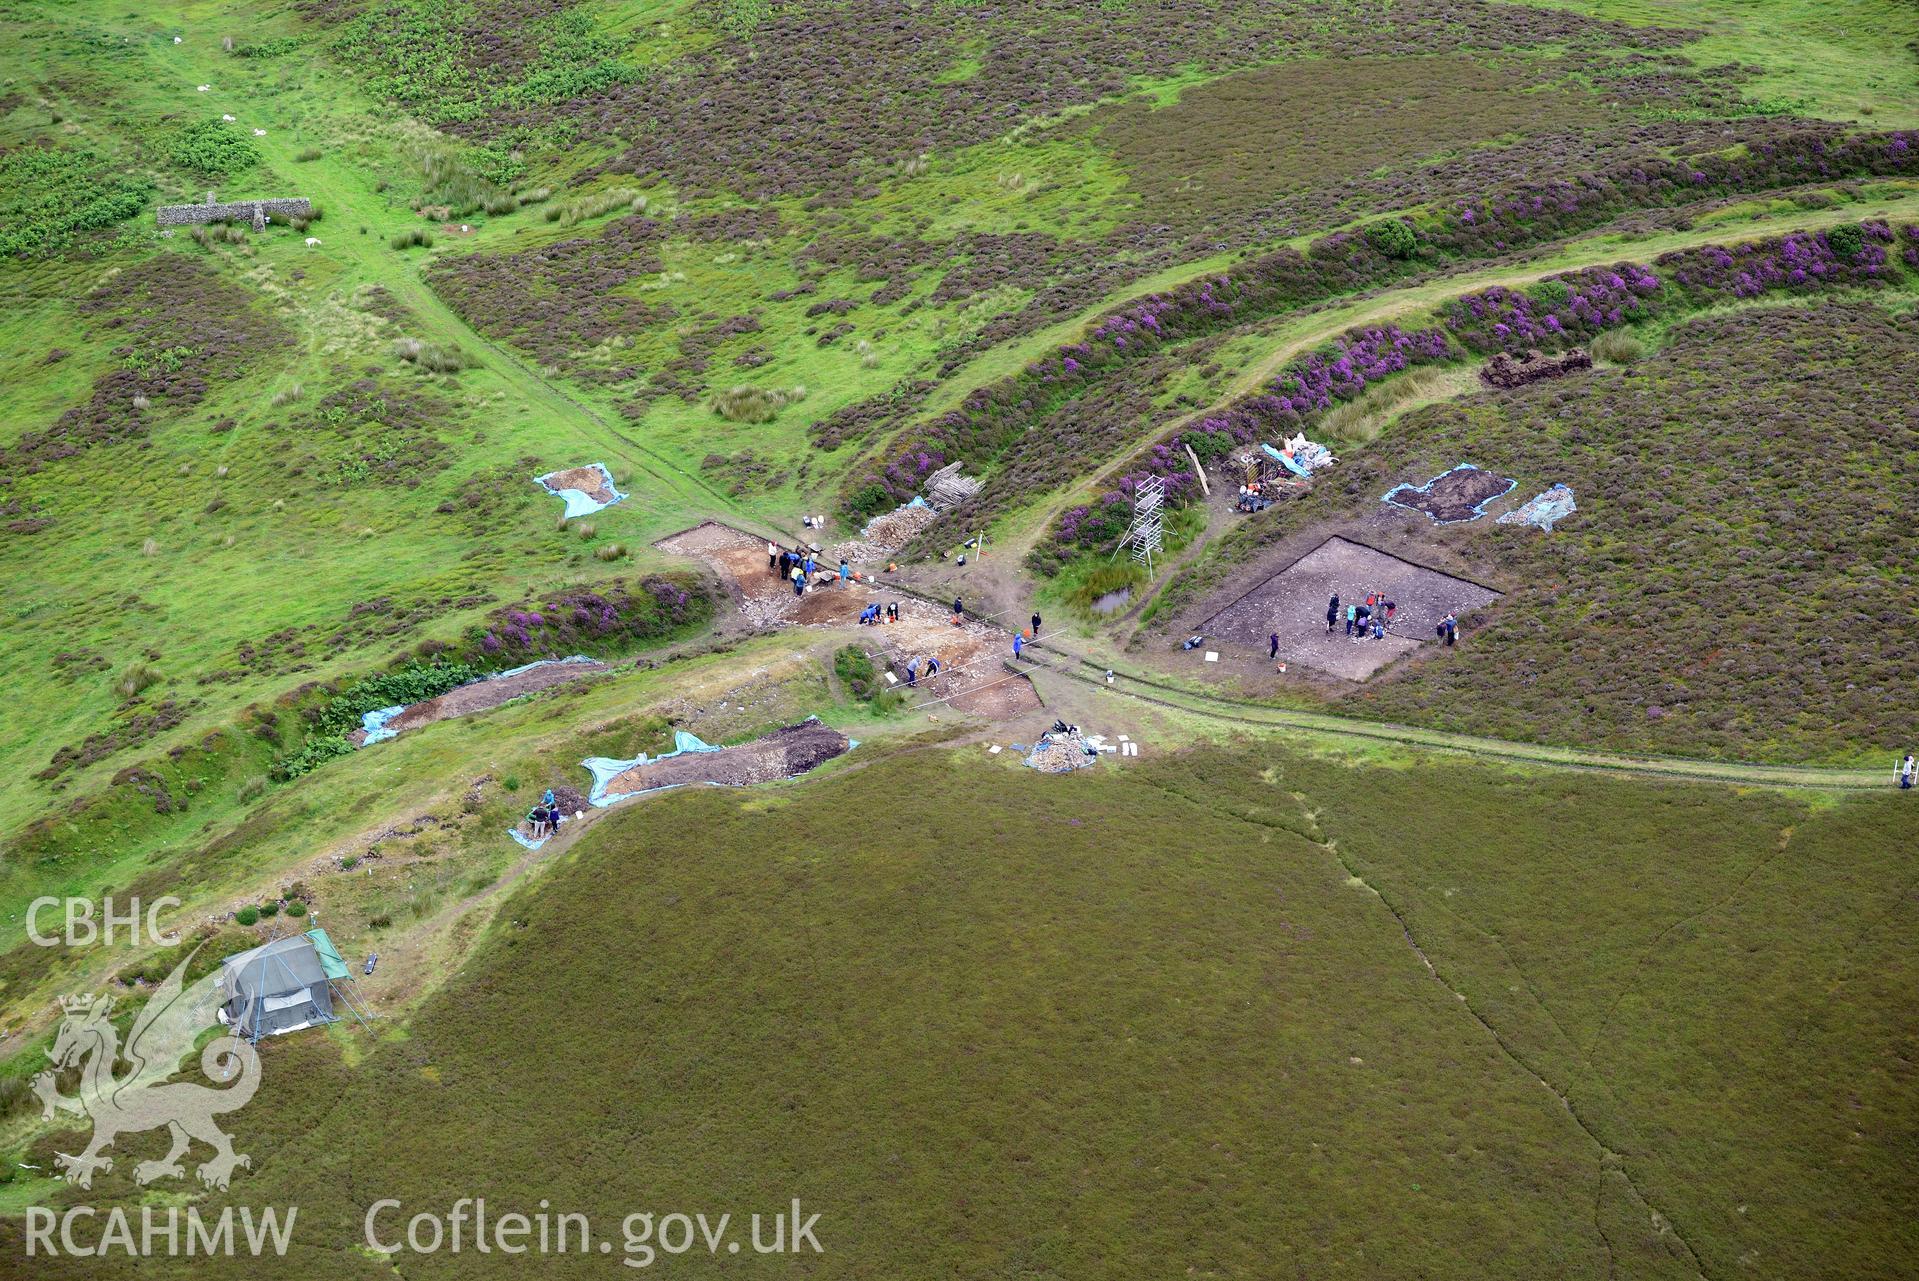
column 1332, row 613
column 1272, row 646
column 1035, row 626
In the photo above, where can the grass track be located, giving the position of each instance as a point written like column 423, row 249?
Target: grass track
column 325, row 186
column 1322, row 725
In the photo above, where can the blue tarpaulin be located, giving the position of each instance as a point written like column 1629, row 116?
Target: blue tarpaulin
column 1286, row 461
column 1544, row 509
column 578, row 502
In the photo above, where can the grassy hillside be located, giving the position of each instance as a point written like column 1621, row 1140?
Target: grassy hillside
column 985, row 1021
column 1241, row 1011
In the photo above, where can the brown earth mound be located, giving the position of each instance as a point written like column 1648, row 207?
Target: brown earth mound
column 569, row 800
column 585, row 479
column 1507, row 370
column 1456, row 496
column 785, row 753
column 479, row 696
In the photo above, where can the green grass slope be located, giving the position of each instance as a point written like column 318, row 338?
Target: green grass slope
column 1238, row 1012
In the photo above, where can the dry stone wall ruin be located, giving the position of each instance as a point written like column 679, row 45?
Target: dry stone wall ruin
column 257, row 212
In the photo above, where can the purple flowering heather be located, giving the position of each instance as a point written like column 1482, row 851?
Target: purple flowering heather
column 1557, row 308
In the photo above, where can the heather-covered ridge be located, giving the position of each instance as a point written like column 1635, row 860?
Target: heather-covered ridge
column 1347, row 262
column 1556, row 312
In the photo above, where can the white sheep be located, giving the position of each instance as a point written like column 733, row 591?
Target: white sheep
column 259, row 133
column 312, row 241
column 229, row 118
column 204, row 88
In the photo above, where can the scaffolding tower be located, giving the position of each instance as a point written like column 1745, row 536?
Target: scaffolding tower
column 1148, row 530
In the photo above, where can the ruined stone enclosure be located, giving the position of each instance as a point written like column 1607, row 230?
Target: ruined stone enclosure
column 257, row 212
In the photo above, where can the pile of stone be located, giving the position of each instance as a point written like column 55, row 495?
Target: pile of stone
column 895, row 529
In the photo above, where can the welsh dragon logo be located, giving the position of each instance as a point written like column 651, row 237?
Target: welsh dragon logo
column 141, row 1099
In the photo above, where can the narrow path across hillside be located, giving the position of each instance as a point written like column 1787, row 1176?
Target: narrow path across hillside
column 1323, row 725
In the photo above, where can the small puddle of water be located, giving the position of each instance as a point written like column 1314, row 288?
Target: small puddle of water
column 1113, row 602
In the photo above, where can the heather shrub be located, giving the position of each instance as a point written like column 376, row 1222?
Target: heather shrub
column 608, row 619
column 1846, row 240
column 1392, row 237
column 248, row 915
column 1552, row 313
column 994, row 417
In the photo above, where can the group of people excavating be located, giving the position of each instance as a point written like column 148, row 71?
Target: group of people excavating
column 1371, row 618
column 544, row 817
column 800, row 567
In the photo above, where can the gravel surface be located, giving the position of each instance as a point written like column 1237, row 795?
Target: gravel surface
column 1293, row 603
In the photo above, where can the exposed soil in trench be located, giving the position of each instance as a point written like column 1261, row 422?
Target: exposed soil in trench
column 478, row 696
column 785, row 753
